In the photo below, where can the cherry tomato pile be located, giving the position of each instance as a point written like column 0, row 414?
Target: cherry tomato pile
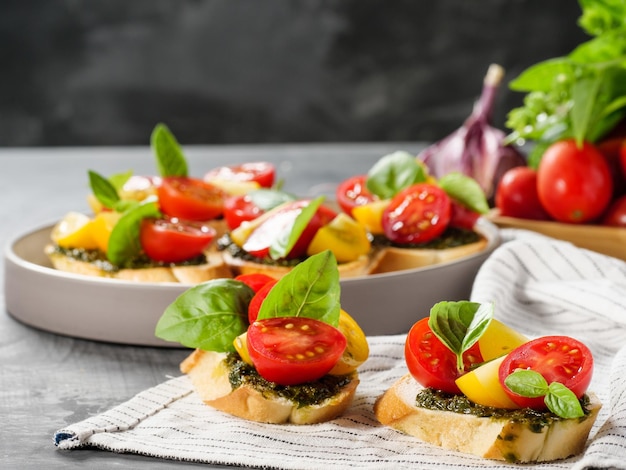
column 573, row 184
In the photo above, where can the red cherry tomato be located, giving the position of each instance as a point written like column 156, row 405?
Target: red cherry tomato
column 574, row 184
column 517, row 196
column 417, row 214
column 294, row 350
column 612, row 151
column 431, row 363
column 190, row 198
column 261, row 172
column 462, row 217
column 238, row 209
column 557, row 358
column 254, row 280
column 615, row 216
column 174, row 241
column 353, row 192
column 281, row 222
column 255, row 303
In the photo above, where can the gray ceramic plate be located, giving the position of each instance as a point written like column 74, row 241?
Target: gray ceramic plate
column 126, row 312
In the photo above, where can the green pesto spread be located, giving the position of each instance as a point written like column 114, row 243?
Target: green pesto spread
column 99, row 259
column 437, row 400
column 224, row 243
column 450, row 238
column 307, row 394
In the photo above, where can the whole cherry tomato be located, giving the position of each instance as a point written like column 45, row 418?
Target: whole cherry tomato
column 255, row 303
column 431, row 363
column 417, row 214
column 353, row 192
column 174, row 241
column 574, row 184
column 190, row 198
column 255, row 280
column 615, row 215
column 517, row 196
column 557, row 358
column 612, row 150
column 261, row 172
column 462, row 216
column 294, row 350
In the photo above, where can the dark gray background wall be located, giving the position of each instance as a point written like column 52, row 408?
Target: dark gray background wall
column 104, row 72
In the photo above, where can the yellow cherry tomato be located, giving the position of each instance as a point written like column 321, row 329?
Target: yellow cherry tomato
column 241, row 346
column 102, row 226
column 74, row 231
column 370, row 215
column 482, row 386
column 498, row 340
column 344, row 236
column 357, row 349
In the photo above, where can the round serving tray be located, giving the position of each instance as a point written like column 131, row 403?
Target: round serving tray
column 118, row 311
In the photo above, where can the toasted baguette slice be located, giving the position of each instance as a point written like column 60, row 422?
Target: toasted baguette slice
column 356, row 268
column 492, row 438
column 214, row 268
column 389, row 259
column 209, row 374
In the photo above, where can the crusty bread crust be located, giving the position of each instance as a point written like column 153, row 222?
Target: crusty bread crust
column 215, row 268
column 492, row 438
column 209, row 375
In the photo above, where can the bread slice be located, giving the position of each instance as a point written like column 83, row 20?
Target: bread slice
column 389, row 259
column 209, row 373
column 500, row 438
column 358, row 267
column 214, row 268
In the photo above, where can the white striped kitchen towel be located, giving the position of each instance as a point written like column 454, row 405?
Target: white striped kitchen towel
column 540, row 286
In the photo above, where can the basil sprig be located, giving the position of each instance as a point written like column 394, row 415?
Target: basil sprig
column 170, row 160
column 106, row 190
column 285, row 241
column 558, row 398
column 211, row 315
column 311, row 289
column 393, row 173
column 460, row 324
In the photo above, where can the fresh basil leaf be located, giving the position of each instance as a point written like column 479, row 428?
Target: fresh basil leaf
column 311, row 289
column 285, row 241
column 465, row 190
column 103, row 190
column 118, row 180
column 124, row 241
column 584, row 95
column 459, row 325
column 541, row 76
column 562, row 401
column 527, row 383
column 124, row 205
column 393, row 173
column 208, row 316
column 267, row 199
column 170, row 159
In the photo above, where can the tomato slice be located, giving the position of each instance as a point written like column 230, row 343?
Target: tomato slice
column 282, row 221
column 431, row 363
column 294, row 350
column 255, row 303
column 174, row 241
column 417, row 214
column 190, row 198
column 557, row 358
column 353, row 192
column 254, row 280
column 263, row 173
column 238, row 209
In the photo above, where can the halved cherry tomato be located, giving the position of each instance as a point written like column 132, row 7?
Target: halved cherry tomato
column 261, row 172
column 417, row 214
column 353, row 192
column 190, row 198
column 294, row 350
column 172, row 240
column 255, row 303
column 431, row 363
column 254, row 280
column 238, row 209
column 557, row 358
column 281, row 222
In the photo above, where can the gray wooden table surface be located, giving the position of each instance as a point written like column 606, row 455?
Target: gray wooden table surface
column 49, row 381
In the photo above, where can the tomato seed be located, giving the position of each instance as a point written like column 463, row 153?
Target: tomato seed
column 289, row 326
column 319, row 349
column 305, row 327
column 310, row 353
column 299, row 356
